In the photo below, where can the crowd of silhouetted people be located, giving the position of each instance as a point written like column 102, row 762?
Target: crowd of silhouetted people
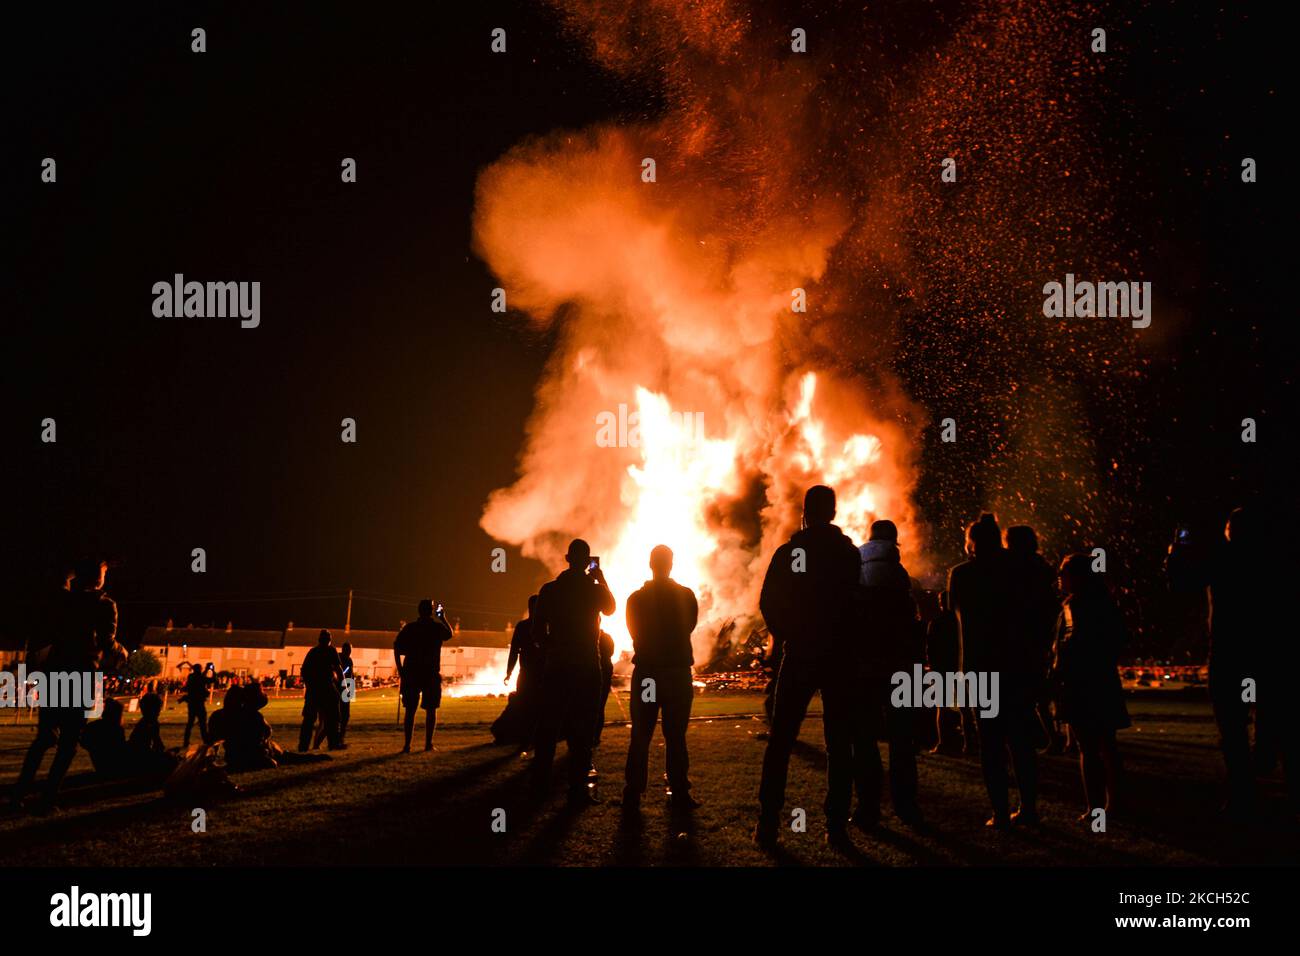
column 844, row 623
column 82, row 638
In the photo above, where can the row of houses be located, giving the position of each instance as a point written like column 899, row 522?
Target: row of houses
column 248, row 653
column 470, row 656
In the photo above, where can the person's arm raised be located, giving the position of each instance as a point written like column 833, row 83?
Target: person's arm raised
column 607, row 603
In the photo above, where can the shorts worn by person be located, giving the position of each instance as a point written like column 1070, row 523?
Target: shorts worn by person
column 417, row 651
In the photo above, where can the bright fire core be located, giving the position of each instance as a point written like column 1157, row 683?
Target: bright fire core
column 682, row 474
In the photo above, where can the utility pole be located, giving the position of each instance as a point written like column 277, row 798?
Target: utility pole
column 347, row 625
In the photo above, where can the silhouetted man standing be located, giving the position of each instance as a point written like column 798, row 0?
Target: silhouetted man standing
column 1034, row 583
column 567, row 627
column 84, row 638
column 891, row 632
column 525, row 652
column 418, row 653
column 660, row 618
column 1243, row 625
column 991, row 613
column 196, row 703
column 322, row 674
column 518, row 722
column 807, row 603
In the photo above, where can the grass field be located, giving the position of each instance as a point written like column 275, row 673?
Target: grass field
column 370, row 804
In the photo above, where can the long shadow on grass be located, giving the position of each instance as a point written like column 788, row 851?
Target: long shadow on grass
column 443, row 819
column 545, row 842
column 629, row 840
column 811, row 754
column 680, row 846
column 34, row 834
column 87, row 787
column 85, row 790
column 274, row 780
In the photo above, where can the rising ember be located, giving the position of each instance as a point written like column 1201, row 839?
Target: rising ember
column 679, row 328
column 775, row 256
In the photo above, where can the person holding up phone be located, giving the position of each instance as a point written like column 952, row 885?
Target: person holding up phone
column 417, row 652
column 567, row 627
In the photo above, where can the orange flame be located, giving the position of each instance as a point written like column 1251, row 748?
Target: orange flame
column 675, row 302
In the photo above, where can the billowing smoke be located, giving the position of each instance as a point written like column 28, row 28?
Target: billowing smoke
column 774, row 172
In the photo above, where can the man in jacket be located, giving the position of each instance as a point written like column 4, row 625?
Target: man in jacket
column 660, row 618
column 807, row 602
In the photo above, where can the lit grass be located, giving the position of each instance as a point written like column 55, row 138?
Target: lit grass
column 371, row 805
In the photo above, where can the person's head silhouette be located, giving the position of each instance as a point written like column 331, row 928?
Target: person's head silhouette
column 883, row 530
column 112, row 711
column 89, row 574
column 1022, row 539
column 426, row 608
column 1078, row 578
column 984, row 536
column 818, row 506
column 324, row 638
column 661, row 561
column 578, row 555
column 532, row 604
column 1241, row 529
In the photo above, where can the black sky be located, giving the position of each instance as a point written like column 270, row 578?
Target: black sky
column 175, row 434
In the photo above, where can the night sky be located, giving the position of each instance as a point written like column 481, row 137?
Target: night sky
column 183, row 433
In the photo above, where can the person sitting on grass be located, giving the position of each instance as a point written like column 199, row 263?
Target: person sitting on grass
column 145, row 743
column 105, row 741
column 115, row 759
column 245, row 747
column 254, row 696
column 247, row 735
column 147, row 733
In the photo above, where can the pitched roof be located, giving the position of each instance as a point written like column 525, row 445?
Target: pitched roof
column 464, row 638
column 307, row 636
column 209, row 637
column 383, row 640
column 302, row 637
